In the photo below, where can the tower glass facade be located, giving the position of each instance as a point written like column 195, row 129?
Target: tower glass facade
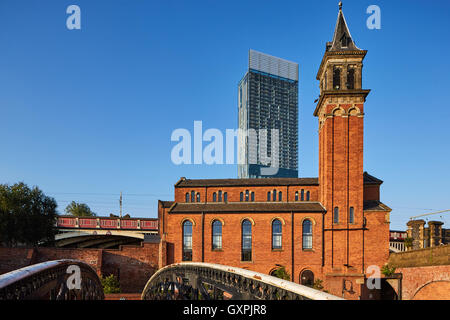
column 268, row 118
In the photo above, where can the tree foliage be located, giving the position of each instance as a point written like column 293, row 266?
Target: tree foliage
column 79, row 210
column 110, row 284
column 27, row 216
column 281, row 273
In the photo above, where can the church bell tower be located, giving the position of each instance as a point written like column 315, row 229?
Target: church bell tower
column 340, row 111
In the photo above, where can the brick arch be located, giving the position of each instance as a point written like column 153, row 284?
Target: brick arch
column 433, row 290
column 187, row 219
column 278, row 218
column 249, row 219
column 338, row 111
column 217, row 219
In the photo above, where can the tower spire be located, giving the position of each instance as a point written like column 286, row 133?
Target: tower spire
column 342, row 39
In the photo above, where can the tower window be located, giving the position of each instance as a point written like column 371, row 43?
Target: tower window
column 214, row 197
column 268, row 196
column 307, row 195
column 296, row 195
column 220, row 196
column 351, row 215
column 192, row 196
column 187, row 196
column 246, row 195
column 302, row 195
column 350, row 78
column 336, row 215
column 280, row 196
column 253, row 196
column 241, row 196
column 274, row 194
column 336, row 78
column 225, row 197
column 198, row 197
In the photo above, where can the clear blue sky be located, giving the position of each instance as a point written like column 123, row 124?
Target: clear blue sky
column 88, row 113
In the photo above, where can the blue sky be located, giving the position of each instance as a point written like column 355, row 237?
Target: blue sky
column 88, row 113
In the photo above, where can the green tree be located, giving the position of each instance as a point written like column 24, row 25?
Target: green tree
column 110, row 284
column 281, row 273
column 27, row 216
column 79, row 210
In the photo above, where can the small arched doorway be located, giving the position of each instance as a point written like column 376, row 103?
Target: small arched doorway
column 307, row 278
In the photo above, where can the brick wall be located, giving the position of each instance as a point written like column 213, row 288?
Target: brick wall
column 134, row 265
column 421, row 257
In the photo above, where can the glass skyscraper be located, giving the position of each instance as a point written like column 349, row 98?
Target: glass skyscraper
column 268, row 118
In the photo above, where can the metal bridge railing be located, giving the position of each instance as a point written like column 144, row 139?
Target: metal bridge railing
column 193, row 281
column 52, row 280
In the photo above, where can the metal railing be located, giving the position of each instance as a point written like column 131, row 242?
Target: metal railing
column 207, row 281
column 52, row 280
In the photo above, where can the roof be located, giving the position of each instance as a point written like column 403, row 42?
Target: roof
column 375, row 205
column 166, row 204
column 238, row 207
column 342, row 39
column 183, row 182
column 192, row 183
column 369, row 179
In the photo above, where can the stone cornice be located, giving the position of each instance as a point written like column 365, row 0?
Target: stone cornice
column 341, row 93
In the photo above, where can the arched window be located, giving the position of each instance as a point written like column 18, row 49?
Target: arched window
column 252, row 196
column 296, row 195
column 336, row 78
column 307, row 234
column 280, row 196
column 302, row 196
column 214, row 197
column 336, row 215
column 274, row 194
column 268, row 196
column 246, row 253
column 225, row 197
column 241, row 196
column 307, row 195
column 220, row 196
column 276, row 234
column 246, row 195
column 351, row 215
column 350, row 78
column 187, row 196
column 192, row 196
column 198, row 197
column 217, row 235
column 307, row 278
column 187, row 241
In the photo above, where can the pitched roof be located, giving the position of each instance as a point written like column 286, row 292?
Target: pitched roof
column 369, row 179
column 183, row 182
column 342, row 39
column 238, row 207
column 375, row 205
column 166, row 204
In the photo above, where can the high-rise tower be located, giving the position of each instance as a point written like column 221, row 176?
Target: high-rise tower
column 268, row 118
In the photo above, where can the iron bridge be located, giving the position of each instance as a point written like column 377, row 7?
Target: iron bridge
column 50, row 281
column 207, row 281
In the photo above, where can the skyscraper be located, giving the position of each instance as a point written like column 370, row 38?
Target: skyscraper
column 268, row 118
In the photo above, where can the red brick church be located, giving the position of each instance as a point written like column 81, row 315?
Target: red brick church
column 330, row 228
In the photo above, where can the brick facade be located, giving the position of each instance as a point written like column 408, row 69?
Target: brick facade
column 342, row 249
